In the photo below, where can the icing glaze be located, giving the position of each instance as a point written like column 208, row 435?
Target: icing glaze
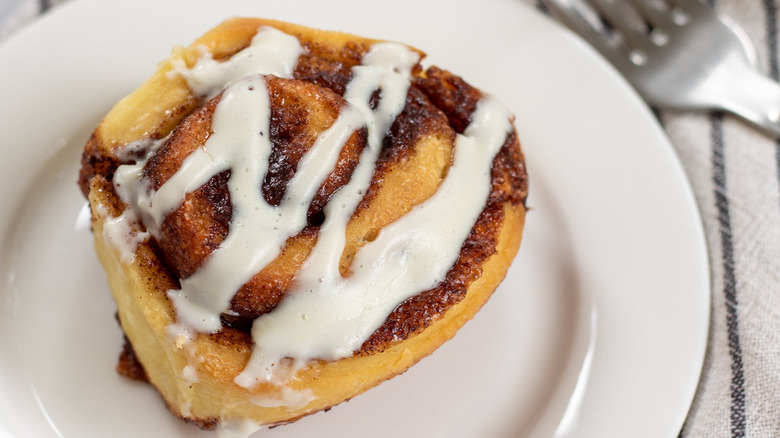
column 324, row 316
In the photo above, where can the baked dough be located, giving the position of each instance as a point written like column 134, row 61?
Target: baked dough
column 146, row 260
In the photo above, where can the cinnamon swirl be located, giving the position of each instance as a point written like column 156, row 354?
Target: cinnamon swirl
column 288, row 217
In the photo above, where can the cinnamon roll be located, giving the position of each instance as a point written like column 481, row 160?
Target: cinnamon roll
column 288, row 217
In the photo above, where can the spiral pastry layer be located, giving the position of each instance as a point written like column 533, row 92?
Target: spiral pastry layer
column 288, row 217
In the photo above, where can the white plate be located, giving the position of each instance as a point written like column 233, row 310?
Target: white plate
column 599, row 330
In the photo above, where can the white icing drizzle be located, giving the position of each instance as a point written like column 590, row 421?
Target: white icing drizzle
column 258, row 230
column 329, row 317
column 137, row 149
column 271, row 52
column 122, row 233
column 325, row 316
column 237, row 428
column 288, row 398
column 190, row 374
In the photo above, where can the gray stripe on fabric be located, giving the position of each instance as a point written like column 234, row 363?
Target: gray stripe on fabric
column 737, row 387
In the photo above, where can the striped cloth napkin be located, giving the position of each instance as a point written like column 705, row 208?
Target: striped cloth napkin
column 735, row 174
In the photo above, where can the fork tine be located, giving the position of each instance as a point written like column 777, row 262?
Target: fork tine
column 618, row 16
column 657, row 17
column 568, row 14
column 692, row 6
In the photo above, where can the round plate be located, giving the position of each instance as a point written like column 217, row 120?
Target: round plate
column 599, row 329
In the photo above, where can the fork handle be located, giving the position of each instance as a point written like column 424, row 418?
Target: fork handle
column 755, row 98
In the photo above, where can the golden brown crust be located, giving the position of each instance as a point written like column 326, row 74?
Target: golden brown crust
column 129, row 366
column 416, row 156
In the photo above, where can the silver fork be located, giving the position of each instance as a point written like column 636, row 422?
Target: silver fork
column 677, row 54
